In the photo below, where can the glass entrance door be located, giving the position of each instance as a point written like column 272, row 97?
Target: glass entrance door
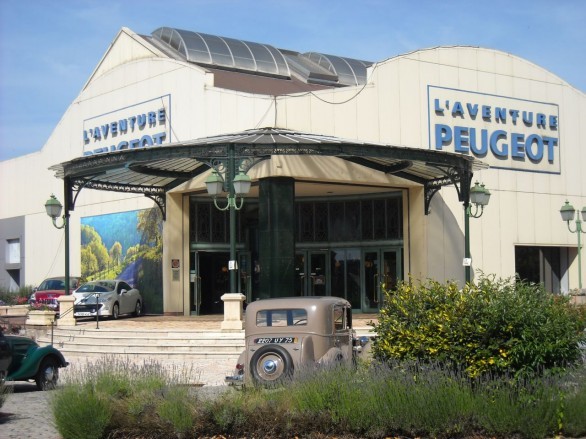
column 194, row 285
column 382, row 270
column 311, row 273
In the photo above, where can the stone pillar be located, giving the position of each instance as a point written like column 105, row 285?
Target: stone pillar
column 233, row 305
column 66, row 311
column 277, row 237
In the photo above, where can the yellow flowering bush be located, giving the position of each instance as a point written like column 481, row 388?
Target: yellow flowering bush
column 491, row 327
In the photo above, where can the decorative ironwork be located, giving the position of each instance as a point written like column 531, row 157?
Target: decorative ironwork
column 171, row 165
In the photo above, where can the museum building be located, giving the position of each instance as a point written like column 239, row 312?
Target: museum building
column 361, row 172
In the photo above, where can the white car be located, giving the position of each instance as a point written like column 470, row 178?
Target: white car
column 111, row 297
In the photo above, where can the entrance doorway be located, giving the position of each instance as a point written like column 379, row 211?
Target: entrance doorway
column 210, row 280
column 356, row 274
column 381, row 273
column 311, row 273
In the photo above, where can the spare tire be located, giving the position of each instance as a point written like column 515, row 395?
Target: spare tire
column 270, row 365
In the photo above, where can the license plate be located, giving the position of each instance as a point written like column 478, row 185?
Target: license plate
column 275, row 340
column 83, row 314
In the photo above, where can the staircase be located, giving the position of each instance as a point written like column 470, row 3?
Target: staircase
column 184, row 346
column 208, row 356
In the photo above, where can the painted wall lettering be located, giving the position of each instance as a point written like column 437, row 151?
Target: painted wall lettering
column 505, row 132
column 136, row 126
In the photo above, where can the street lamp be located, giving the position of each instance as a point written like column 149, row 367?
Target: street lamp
column 236, row 186
column 54, row 208
column 479, row 196
column 568, row 212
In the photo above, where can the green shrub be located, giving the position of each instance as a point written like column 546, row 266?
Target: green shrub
column 177, row 409
column 19, row 297
column 492, row 327
column 81, row 413
column 404, row 399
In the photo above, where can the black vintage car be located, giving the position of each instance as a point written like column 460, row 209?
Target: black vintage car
column 22, row 359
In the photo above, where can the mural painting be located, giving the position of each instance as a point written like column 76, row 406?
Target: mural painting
column 127, row 246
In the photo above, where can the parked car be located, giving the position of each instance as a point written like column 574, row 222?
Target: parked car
column 111, row 297
column 22, row 359
column 50, row 289
column 285, row 335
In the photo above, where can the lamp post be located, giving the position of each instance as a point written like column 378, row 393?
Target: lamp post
column 236, row 185
column 568, row 212
column 479, row 196
column 54, row 208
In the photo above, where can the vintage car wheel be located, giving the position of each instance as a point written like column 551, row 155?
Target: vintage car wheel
column 48, row 374
column 115, row 311
column 271, row 364
column 137, row 309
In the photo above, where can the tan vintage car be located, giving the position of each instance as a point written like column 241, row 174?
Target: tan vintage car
column 285, row 335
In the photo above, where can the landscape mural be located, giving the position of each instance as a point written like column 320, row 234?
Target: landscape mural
column 127, row 246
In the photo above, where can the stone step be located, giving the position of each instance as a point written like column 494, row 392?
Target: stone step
column 115, row 340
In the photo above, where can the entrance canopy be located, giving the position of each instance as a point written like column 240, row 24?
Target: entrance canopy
column 153, row 171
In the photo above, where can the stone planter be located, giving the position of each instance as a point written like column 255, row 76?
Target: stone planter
column 40, row 318
column 13, row 310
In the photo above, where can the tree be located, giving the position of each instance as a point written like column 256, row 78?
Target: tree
column 89, row 263
column 116, row 253
column 150, row 224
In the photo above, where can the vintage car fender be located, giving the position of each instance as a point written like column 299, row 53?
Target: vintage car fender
column 332, row 357
column 31, row 363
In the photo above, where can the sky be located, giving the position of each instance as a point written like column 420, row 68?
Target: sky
column 49, row 48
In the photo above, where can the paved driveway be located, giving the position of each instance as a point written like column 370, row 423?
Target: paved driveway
column 27, row 414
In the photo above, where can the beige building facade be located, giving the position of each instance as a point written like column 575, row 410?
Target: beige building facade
column 354, row 230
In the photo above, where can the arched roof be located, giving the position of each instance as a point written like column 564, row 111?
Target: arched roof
column 153, row 171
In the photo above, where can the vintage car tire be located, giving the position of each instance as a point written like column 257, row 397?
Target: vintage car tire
column 48, row 374
column 270, row 365
column 137, row 309
column 115, row 311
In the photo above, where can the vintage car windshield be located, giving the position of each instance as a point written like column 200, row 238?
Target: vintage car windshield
column 281, row 317
column 97, row 287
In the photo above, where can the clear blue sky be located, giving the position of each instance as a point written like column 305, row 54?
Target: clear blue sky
column 50, row 47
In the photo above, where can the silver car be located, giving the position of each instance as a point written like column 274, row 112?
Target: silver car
column 110, row 298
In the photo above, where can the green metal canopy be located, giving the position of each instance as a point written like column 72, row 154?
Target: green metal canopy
column 153, row 171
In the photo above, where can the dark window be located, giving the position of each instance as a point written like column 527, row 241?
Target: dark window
column 337, row 221
column 281, row 317
column 539, row 265
column 209, row 224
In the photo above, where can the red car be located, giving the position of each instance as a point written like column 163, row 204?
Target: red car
column 50, row 289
